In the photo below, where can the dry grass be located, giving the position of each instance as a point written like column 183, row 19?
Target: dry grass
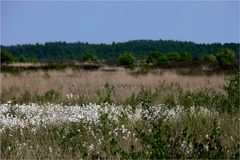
column 87, row 83
column 195, row 129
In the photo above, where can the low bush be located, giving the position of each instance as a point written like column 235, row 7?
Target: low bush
column 210, row 58
column 225, row 57
column 126, row 59
column 89, row 57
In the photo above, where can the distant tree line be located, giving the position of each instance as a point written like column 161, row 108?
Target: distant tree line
column 149, row 51
column 224, row 58
column 7, row 57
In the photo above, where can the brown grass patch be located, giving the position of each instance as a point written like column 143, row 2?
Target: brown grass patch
column 87, row 83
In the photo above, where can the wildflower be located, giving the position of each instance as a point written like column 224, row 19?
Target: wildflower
column 9, row 102
column 91, row 147
column 50, row 149
column 206, row 147
column 37, row 116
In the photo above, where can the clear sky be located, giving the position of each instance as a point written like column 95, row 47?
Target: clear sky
column 106, row 21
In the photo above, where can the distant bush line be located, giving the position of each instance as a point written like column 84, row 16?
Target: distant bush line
column 140, row 49
column 225, row 58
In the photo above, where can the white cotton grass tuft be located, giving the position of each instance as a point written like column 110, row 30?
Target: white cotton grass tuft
column 14, row 116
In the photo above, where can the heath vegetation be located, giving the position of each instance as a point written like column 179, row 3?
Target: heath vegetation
column 74, row 114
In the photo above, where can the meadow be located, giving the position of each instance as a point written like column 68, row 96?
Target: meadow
column 119, row 113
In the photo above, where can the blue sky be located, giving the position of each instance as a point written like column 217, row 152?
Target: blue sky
column 24, row 22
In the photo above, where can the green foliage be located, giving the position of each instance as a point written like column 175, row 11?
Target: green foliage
column 185, row 56
column 233, row 92
column 31, row 58
column 209, row 147
column 200, row 98
column 173, row 56
column 225, row 57
column 153, row 57
column 70, row 139
column 89, row 57
column 146, row 97
column 62, row 51
column 164, row 141
column 156, row 143
column 143, row 58
column 7, row 57
column 51, row 95
column 157, row 57
column 126, row 59
column 22, row 59
column 210, row 58
column 170, row 101
column 215, row 148
column 163, row 59
column 228, row 102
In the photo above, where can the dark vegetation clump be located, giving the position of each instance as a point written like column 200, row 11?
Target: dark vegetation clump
column 62, row 51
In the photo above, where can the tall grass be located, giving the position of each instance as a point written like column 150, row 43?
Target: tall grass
column 164, row 121
column 87, row 84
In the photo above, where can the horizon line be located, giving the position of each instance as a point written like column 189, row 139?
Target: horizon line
column 109, row 43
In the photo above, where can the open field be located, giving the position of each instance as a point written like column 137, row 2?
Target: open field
column 115, row 80
column 87, row 84
column 115, row 113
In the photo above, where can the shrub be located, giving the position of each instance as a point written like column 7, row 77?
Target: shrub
column 89, row 57
column 157, row 57
column 153, row 57
column 210, row 58
column 200, row 98
column 233, row 91
column 7, row 57
column 173, row 56
column 143, row 58
column 156, row 143
column 162, row 59
column 225, row 57
column 22, row 59
column 126, row 59
column 186, row 56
